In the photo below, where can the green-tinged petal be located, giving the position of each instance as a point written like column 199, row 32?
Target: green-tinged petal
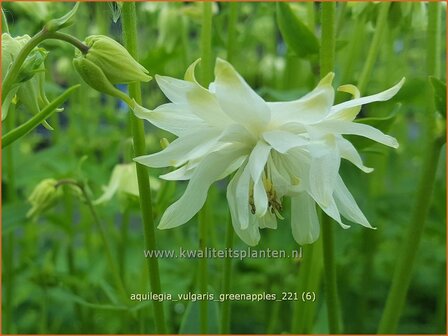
column 237, row 99
column 382, row 96
column 183, row 149
column 332, row 210
column 346, row 127
column 242, row 198
column 250, row 235
column 304, row 221
column 324, row 169
column 349, row 152
column 310, row 108
column 6, row 103
column 111, row 188
column 194, row 98
column 260, row 199
column 269, row 221
column 257, row 159
column 283, row 141
column 190, row 73
column 351, row 112
column 208, row 171
column 173, row 118
column 347, row 205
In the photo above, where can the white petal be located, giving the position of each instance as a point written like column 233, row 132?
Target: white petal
column 382, row 96
column 258, row 159
column 175, row 89
column 237, row 99
column 242, row 197
column 332, row 210
column 324, row 168
column 208, row 171
column 174, row 118
column 349, row 152
column 181, row 150
column 260, row 199
column 367, row 131
column 251, row 234
column 347, row 205
column 283, row 141
column 311, row 108
column 347, row 113
column 304, row 221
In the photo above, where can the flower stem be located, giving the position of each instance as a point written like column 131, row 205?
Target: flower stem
column 203, row 272
column 104, row 237
column 206, row 45
column 231, row 31
column 327, row 56
column 381, row 24
column 5, row 27
column 403, row 270
column 129, row 21
column 32, row 123
column 225, row 318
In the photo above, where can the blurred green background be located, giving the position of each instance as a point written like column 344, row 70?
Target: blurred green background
column 55, row 265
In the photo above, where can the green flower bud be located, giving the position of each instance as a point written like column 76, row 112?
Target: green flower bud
column 95, row 78
column 43, row 197
column 114, row 60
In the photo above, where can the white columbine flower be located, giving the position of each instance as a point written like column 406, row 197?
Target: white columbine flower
column 275, row 149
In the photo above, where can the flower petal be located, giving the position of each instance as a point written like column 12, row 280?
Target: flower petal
column 337, row 110
column 347, row 205
column 310, row 108
column 367, row 131
column 257, row 160
column 237, row 99
column 181, row 150
column 304, row 221
column 260, row 199
column 347, row 113
column 349, row 152
column 208, row 171
column 242, row 197
column 283, row 141
column 173, row 118
column 250, row 235
column 269, row 220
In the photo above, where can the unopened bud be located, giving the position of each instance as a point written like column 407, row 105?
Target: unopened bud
column 43, row 197
column 114, row 60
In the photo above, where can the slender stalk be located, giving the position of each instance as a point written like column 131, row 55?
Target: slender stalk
column 104, row 236
column 225, row 308
column 124, row 233
column 206, row 45
column 409, row 247
column 327, row 56
column 32, row 123
column 381, row 24
column 231, row 31
column 9, row 239
column 12, row 74
column 310, row 10
column 129, row 21
column 203, row 272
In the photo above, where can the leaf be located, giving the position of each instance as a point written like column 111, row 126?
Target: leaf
column 381, row 123
column 297, row 36
column 439, row 95
column 13, row 216
column 191, row 320
column 62, row 22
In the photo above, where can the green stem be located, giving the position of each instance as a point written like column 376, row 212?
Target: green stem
column 409, row 248
column 104, row 237
column 129, row 21
column 124, row 233
column 206, row 45
column 327, row 56
column 5, row 27
column 12, row 74
column 310, row 10
column 381, row 24
column 225, row 317
column 203, row 273
column 231, row 31
column 32, row 123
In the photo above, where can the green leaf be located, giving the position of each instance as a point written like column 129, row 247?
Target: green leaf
column 191, row 320
column 63, row 21
column 297, row 36
column 381, row 123
column 439, row 95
